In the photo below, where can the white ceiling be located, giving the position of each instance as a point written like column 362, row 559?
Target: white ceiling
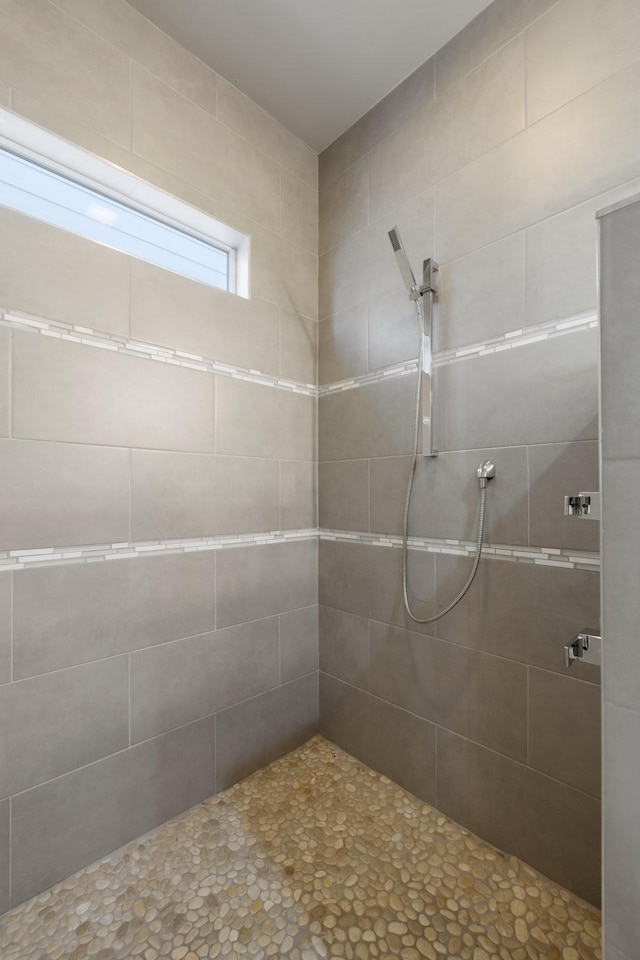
column 316, row 66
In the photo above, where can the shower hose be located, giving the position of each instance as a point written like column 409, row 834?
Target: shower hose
column 407, row 503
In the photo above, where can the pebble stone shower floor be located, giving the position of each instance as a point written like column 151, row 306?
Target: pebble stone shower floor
column 313, row 856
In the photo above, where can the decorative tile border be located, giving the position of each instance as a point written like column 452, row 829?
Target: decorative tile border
column 506, row 341
column 543, row 556
column 149, row 351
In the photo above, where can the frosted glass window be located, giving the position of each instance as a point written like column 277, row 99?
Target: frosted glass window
column 33, row 189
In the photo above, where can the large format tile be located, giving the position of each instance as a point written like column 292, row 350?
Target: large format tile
column 538, row 393
column 621, row 838
column 496, row 25
column 298, row 643
column 342, row 345
column 257, row 421
column 298, row 211
column 600, row 46
column 469, row 120
column 523, row 611
column 64, row 615
column 445, row 496
column 344, row 647
column 169, row 130
column 394, row 328
column 620, row 576
column 5, row 856
column 344, row 205
column 367, row 581
column 6, row 626
column 564, row 730
column 61, row 721
column 369, row 421
column 5, row 383
column 522, row 812
column 176, row 683
column 40, row 264
column 196, row 495
column 261, row 581
column 555, row 470
column 371, row 730
column 479, row 696
column 298, row 348
column 385, row 117
column 107, row 803
column 344, row 494
column 57, row 494
column 498, row 193
column 252, row 734
column 298, row 494
column 78, row 394
column 242, row 176
column 50, row 56
column 620, row 338
column 175, row 311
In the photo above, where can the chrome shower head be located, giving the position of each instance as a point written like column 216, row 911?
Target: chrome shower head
column 403, row 263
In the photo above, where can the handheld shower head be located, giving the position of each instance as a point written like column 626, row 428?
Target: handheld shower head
column 403, row 263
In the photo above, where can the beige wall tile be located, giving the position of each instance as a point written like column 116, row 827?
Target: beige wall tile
column 6, row 627
column 470, row 119
column 50, row 56
column 344, row 205
column 178, row 312
column 576, row 45
column 120, row 24
column 50, row 273
column 242, row 176
column 80, row 394
column 169, row 130
column 298, row 347
column 369, row 421
column 5, row 383
column 298, row 494
column 283, row 272
column 299, row 211
column 257, row 421
column 344, row 495
column 5, row 94
column 342, row 345
column 57, row 494
column 544, row 169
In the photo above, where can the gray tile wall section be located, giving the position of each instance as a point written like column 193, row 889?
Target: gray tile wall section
column 506, row 202
column 620, row 346
column 130, row 690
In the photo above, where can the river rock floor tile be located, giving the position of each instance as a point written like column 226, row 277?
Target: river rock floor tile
column 313, row 856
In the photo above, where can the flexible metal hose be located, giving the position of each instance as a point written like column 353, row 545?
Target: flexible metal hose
column 407, row 503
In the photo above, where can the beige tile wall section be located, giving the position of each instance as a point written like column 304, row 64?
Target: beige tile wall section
column 493, row 158
column 133, row 674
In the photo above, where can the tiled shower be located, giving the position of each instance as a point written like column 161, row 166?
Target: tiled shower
column 201, row 494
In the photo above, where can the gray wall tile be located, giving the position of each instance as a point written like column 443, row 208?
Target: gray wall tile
column 370, row 421
column 540, row 393
column 522, row 811
column 5, row 856
column 522, row 611
column 298, row 210
column 298, row 348
column 5, row 381
column 55, row 494
column 344, row 494
column 371, row 730
column 394, row 329
column 178, row 312
column 102, row 806
column 621, row 838
column 298, row 494
column 342, row 345
column 5, row 627
column 242, row 176
column 344, row 205
column 620, row 578
column 254, row 582
column 298, row 643
column 79, row 394
column 176, row 683
column 557, row 469
column 55, row 723
column 192, row 495
column 367, row 581
column 440, row 488
column 40, row 263
column 257, row 421
column 344, row 647
column 250, row 735
column 479, row 696
column 557, row 705
column 79, row 612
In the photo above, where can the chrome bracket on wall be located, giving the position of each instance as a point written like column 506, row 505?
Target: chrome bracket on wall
column 586, row 646
column 428, row 292
column 586, row 506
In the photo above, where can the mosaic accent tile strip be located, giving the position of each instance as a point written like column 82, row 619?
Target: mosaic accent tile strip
column 547, row 556
column 51, row 556
column 315, row 856
column 507, row 341
column 149, row 351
